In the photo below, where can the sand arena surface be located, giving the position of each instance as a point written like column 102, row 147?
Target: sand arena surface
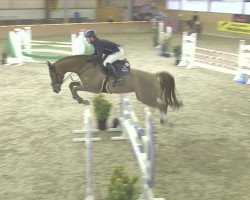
column 203, row 153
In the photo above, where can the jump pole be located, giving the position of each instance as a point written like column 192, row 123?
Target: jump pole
column 84, row 131
column 143, row 146
column 20, row 45
column 88, row 151
column 210, row 58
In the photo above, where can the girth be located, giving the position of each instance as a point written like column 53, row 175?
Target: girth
column 105, row 84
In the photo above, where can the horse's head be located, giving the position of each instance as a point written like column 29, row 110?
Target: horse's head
column 56, row 79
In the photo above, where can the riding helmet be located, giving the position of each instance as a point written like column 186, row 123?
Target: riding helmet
column 90, row 33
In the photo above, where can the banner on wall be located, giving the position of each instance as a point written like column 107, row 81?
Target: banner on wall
column 54, row 5
column 233, row 27
column 241, row 18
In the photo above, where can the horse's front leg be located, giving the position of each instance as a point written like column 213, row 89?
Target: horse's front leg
column 71, row 86
column 74, row 88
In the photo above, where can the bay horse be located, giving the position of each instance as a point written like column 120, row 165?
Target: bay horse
column 154, row 90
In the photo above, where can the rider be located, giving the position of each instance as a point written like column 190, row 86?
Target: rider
column 111, row 50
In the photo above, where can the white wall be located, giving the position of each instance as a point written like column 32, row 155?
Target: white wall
column 219, row 6
column 173, row 4
column 247, row 8
column 194, row 5
column 227, row 7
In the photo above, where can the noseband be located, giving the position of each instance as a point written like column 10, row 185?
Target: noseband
column 53, row 76
column 58, row 83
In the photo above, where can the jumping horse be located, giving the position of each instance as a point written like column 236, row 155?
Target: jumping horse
column 154, row 90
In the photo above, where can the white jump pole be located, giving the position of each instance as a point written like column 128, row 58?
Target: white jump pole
column 237, row 64
column 15, row 49
column 124, row 135
column 27, row 39
column 73, row 43
column 244, row 58
column 188, row 50
column 88, row 151
column 84, row 131
column 88, row 144
column 143, row 148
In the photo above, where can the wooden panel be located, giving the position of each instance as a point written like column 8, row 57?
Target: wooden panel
column 4, row 4
column 117, row 14
column 80, row 3
column 38, row 4
column 28, row 4
column 67, row 29
column 21, row 14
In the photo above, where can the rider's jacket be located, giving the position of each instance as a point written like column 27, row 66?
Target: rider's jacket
column 103, row 47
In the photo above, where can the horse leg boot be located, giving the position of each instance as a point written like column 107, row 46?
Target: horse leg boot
column 117, row 79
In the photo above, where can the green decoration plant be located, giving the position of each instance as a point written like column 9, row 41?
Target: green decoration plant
column 122, row 187
column 102, row 108
column 177, row 50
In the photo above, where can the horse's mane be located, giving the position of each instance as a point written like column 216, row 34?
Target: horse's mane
column 71, row 57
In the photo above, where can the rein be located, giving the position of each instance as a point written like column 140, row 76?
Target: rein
column 69, row 76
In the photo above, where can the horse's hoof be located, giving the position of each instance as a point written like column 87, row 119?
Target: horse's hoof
column 82, row 101
column 85, row 102
column 163, row 122
column 79, row 100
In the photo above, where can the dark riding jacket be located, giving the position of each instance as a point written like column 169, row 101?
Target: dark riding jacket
column 103, row 47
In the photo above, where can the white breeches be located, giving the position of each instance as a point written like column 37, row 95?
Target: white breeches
column 113, row 57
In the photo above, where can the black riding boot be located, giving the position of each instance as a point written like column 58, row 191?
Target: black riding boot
column 117, row 79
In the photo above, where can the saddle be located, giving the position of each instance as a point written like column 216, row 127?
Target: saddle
column 122, row 67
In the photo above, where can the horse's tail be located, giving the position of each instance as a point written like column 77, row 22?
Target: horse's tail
column 168, row 90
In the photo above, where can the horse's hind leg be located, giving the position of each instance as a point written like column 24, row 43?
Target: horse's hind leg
column 163, row 108
column 163, row 116
column 155, row 102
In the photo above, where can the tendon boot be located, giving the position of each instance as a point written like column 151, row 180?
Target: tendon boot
column 117, row 79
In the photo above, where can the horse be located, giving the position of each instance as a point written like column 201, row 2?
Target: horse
column 154, row 90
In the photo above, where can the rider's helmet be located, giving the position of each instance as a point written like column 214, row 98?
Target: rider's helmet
column 90, row 33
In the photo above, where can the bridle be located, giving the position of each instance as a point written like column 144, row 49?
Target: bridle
column 54, row 76
column 57, row 82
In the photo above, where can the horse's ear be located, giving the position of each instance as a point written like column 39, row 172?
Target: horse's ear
column 51, row 67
